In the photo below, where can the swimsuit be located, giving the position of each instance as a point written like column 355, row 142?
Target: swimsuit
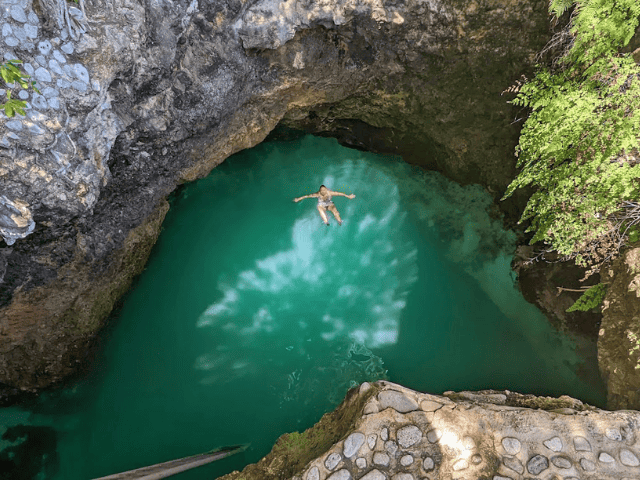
column 325, row 203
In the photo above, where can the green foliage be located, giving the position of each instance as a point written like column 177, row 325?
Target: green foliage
column 11, row 74
column 591, row 298
column 579, row 145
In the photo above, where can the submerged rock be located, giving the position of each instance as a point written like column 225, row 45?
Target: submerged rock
column 480, row 439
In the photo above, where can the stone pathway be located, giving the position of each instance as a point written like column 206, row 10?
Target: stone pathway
column 405, row 435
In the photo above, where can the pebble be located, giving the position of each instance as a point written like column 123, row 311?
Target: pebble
column 476, row 459
column 50, row 92
column 537, row 464
column 54, row 66
column 39, row 101
column 62, row 83
column 44, row 47
column 64, row 34
column 6, row 30
column 408, row 436
column 361, row 462
column 67, row 48
column 14, row 125
column 18, row 14
column 561, row 461
column 613, row 434
column 468, row 443
column 36, row 129
column 581, row 444
column 33, row 18
column 498, row 477
column 82, row 74
column 513, row 463
column 11, row 41
column 628, row 458
column 554, row 444
column 382, row 459
column 461, row 464
column 343, row 474
column 42, row 75
column 434, row 435
column 396, row 400
column 31, row 31
column 391, row 447
column 313, row 474
column 23, row 94
column 352, row 444
column 606, row 458
column 402, row 476
column 406, row 460
column 511, row 445
column 332, row 461
column 95, row 85
column 428, row 464
column 371, row 441
column 374, row 475
column 59, row 57
column 384, row 434
column 54, row 103
column 78, row 85
column 587, row 465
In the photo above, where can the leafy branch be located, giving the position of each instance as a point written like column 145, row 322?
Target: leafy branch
column 12, row 75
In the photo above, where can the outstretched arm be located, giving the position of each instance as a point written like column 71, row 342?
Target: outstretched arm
column 311, row 195
column 331, row 192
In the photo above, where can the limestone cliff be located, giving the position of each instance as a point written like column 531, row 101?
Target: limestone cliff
column 385, row 431
column 137, row 97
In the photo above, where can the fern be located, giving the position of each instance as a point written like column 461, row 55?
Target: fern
column 591, row 298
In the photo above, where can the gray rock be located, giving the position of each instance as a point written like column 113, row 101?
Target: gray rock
column 6, row 30
column 561, row 461
column 553, row 444
column 39, row 101
column 430, row 405
column 428, row 464
column 408, row 436
column 343, row 474
column 17, row 13
column 23, row 94
column 511, row 445
column 513, row 463
column 332, row 461
column 33, row 18
column 313, row 474
column 54, row 66
column 15, row 219
column 628, row 458
column 79, row 85
column 374, row 475
column 406, row 460
column 391, row 447
column 381, row 458
column 476, row 459
column 14, row 125
column 581, row 444
column 587, row 465
column 10, row 56
column 396, row 400
column 20, row 34
column 31, row 31
column 59, row 57
column 613, row 434
column 81, row 72
column 36, row 129
column 402, row 476
column 95, row 85
column 371, row 441
column 499, row 477
column 434, row 435
column 12, row 41
column 50, row 92
column 64, row 34
column 54, row 103
column 62, row 83
column 604, row 457
column 67, row 48
column 384, row 434
column 352, row 444
column 361, row 462
column 42, row 75
column 44, row 47
column 537, row 464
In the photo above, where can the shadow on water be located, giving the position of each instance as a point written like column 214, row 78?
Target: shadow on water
column 32, row 452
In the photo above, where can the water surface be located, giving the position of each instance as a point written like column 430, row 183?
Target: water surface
column 253, row 318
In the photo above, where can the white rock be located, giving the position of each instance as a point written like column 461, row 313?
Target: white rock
column 628, row 458
column 408, row 436
column 380, row 458
column 613, row 434
column 343, row 474
column 384, row 434
column 587, row 465
column 361, row 462
column 581, row 444
column 606, row 458
column 374, row 475
column 402, row 476
column 554, row 444
column 313, row 474
column 352, row 444
column 428, row 464
column 461, row 464
column 434, row 435
column 396, row 400
column 511, row 445
column 371, row 440
column 406, row 460
column 332, row 460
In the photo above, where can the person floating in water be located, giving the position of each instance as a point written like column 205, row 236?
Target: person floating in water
column 324, row 203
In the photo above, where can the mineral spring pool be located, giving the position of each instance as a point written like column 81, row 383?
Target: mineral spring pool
column 253, row 318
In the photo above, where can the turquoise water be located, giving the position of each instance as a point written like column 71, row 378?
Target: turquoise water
column 253, row 318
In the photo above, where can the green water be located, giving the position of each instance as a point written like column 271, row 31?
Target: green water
column 253, row 318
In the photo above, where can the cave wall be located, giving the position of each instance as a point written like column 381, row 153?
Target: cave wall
column 138, row 97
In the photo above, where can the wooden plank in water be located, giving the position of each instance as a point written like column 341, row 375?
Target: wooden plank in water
column 172, row 467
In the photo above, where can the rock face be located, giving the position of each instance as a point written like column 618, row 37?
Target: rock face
column 137, row 97
column 619, row 338
column 488, row 435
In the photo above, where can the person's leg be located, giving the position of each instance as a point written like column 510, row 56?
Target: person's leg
column 323, row 214
column 334, row 210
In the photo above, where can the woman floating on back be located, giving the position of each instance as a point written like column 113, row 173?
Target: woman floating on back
column 324, row 203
